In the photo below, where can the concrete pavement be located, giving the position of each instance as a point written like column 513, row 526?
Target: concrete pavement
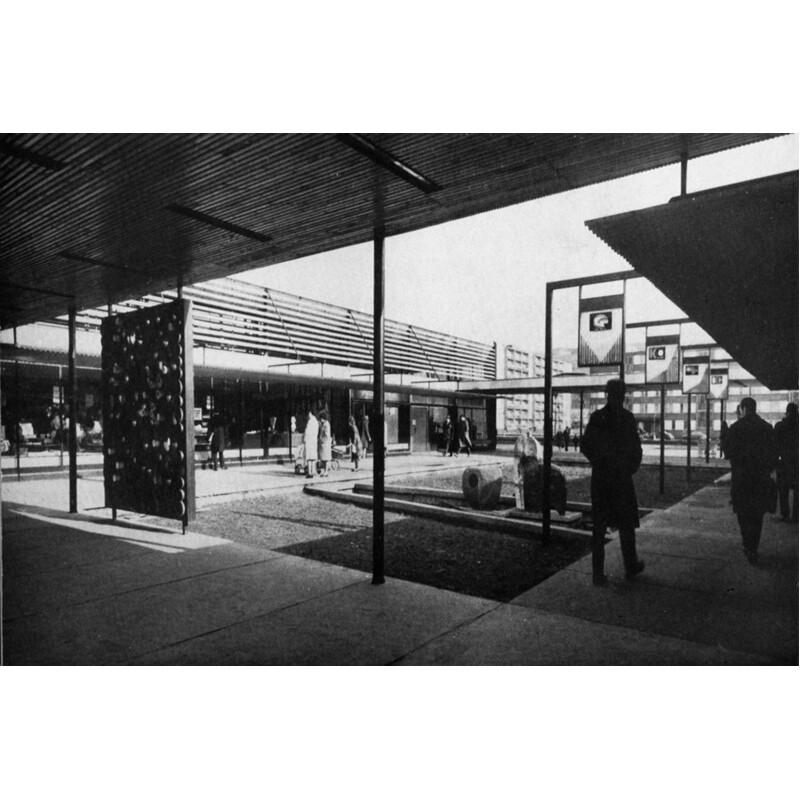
column 80, row 590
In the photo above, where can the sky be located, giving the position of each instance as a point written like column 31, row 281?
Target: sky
column 484, row 277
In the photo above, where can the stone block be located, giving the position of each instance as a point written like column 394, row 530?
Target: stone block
column 482, row 486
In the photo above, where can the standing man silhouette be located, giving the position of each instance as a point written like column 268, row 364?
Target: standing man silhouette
column 750, row 451
column 612, row 445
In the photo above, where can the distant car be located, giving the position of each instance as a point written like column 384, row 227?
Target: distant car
column 694, row 436
column 653, row 437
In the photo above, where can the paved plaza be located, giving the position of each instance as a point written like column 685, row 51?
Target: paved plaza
column 79, row 589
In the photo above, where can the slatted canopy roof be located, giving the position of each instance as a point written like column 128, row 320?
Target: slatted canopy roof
column 729, row 258
column 88, row 219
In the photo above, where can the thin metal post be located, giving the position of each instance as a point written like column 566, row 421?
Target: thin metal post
column 708, row 430
column 548, row 412
column 580, row 423
column 60, row 420
column 622, row 359
column 689, row 438
column 291, row 414
column 73, row 414
column 241, row 419
column 17, row 425
column 264, row 431
column 661, row 439
column 378, row 460
column 684, row 171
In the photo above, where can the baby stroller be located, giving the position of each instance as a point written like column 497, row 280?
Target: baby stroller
column 339, row 453
column 300, row 460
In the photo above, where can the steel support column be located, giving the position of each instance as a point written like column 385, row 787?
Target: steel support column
column 689, row 437
column 708, row 430
column 241, row 420
column 378, row 458
column 661, row 439
column 73, row 413
column 548, row 413
column 17, row 417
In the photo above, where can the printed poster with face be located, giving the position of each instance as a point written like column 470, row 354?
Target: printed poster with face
column 600, row 326
column 663, row 359
column 718, row 386
column 695, row 374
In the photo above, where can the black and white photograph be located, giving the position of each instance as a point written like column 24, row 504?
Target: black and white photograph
column 509, row 401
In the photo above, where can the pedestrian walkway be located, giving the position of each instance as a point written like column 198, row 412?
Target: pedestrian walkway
column 79, row 589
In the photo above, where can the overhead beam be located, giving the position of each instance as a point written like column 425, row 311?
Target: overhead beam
column 216, row 222
column 386, row 160
column 23, row 288
column 31, row 156
column 98, row 262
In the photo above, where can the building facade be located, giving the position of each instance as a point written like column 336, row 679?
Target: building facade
column 263, row 358
column 526, row 411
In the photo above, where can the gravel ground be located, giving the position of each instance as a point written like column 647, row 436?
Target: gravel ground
column 478, row 562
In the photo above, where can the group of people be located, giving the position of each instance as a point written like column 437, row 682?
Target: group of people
column 611, row 444
column 318, row 442
column 563, row 439
column 458, row 437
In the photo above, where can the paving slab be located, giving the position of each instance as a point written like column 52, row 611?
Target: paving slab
column 55, row 589
column 513, row 635
column 45, row 540
column 664, row 608
column 359, row 624
column 120, row 628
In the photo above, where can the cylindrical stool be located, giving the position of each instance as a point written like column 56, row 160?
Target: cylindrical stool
column 482, row 486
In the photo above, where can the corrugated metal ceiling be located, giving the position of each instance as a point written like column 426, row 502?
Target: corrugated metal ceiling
column 96, row 218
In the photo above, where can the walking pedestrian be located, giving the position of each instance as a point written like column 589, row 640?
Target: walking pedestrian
column 463, row 435
column 786, row 452
column 447, row 436
column 217, row 439
column 612, row 445
column 310, row 444
column 750, row 451
column 325, row 441
column 356, row 444
column 366, row 438
column 723, row 439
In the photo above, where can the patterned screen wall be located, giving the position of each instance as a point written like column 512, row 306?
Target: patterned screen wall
column 148, row 397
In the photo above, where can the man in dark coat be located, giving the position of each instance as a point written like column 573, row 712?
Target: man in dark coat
column 217, row 435
column 611, row 443
column 786, row 452
column 749, row 448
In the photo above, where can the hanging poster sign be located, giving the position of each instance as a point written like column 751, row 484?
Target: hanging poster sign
column 600, row 326
column 663, row 359
column 718, row 386
column 695, row 374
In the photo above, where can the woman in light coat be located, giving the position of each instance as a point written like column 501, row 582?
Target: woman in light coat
column 310, row 436
column 324, row 443
column 356, row 445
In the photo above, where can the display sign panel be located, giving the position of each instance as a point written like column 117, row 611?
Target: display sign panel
column 695, row 374
column 718, row 384
column 600, row 327
column 663, row 359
